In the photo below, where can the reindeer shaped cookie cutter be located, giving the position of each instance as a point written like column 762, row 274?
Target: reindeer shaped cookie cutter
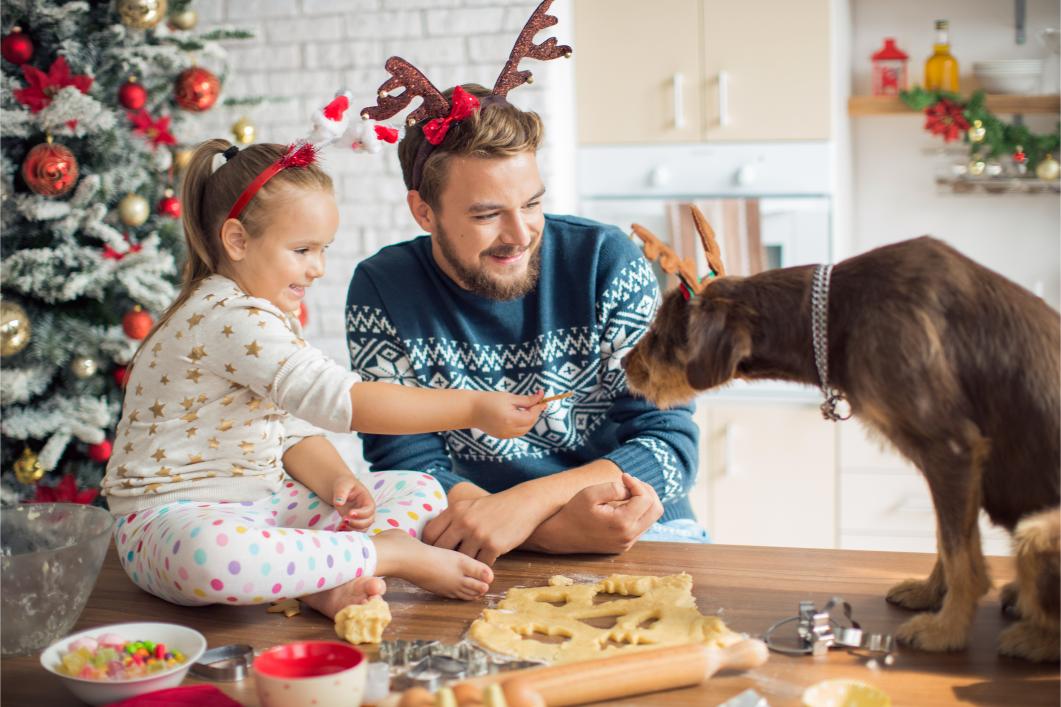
column 436, row 109
column 692, row 284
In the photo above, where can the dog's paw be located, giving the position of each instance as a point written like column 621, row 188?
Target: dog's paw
column 1031, row 642
column 929, row 633
column 1007, row 598
column 916, row 594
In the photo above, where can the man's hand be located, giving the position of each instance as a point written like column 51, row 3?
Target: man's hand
column 488, row 525
column 352, row 500
column 603, row 518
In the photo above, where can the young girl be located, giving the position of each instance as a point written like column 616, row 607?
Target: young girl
column 224, row 487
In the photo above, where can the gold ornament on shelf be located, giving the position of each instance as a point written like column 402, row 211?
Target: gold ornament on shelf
column 1048, row 168
column 15, row 328
column 977, row 167
column 185, row 19
column 141, row 14
column 977, row 132
column 84, row 367
column 133, row 210
column 28, row 469
column 244, row 131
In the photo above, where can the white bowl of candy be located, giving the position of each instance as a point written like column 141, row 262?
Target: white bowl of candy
column 113, row 663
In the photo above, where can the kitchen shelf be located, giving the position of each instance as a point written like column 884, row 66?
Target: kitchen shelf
column 995, row 102
column 999, row 185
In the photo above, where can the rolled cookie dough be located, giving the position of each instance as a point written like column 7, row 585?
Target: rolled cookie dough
column 363, row 623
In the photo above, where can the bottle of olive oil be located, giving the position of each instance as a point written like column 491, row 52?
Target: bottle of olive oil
column 941, row 69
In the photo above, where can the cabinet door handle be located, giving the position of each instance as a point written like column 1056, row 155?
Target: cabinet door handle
column 723, row 98
column 678, row 95
column 729, row 451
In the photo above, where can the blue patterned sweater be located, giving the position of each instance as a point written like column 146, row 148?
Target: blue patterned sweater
column 407, row 322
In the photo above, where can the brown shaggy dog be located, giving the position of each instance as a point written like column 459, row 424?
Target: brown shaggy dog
column 959, row 368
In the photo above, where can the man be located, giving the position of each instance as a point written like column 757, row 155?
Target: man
column 500, row 296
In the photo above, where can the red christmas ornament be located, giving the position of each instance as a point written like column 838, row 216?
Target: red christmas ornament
column 50, row 169
column 137, row 323
column 169, row 205
column 121, row 374
column 100, row 452
column 132, row 95
column 17, row 47
column 66, row 491
column 303, row 314
column 196, row 89
column 41, row 87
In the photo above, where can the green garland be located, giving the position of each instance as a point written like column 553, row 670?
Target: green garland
column 1000, row 138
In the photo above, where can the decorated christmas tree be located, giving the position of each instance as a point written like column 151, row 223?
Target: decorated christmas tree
column 93, row 97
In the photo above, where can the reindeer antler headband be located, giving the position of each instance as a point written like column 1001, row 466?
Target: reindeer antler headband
column 438, row 112
column 692, row 285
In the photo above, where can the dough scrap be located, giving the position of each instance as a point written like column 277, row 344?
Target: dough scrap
column 667, row 602
column 363, row 623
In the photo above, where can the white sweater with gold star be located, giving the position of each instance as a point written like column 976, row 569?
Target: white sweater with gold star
column 215, row 398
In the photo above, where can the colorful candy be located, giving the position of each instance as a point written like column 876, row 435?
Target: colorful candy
column 109, row 657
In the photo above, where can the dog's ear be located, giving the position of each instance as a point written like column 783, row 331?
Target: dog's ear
column 718, row 341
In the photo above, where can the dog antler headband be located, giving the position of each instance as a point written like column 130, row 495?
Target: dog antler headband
column 441, row 113
column 692, row 285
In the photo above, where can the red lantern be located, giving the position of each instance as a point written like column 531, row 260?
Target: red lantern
column 303, row 314
column 121, row 373
column 889, row 69
column 132, row 95
column 17, row 47
column 170, row 205
column 137, row 323
column 100, row 452
column 50, row 169
column 196, row 89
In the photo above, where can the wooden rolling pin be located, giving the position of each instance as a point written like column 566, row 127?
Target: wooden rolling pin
column 621, row 675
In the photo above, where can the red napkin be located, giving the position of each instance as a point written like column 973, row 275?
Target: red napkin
column 189, row 696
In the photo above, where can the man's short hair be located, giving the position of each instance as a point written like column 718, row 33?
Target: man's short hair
column 500, row 129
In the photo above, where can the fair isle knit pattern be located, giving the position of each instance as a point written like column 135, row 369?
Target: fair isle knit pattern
column 569, row 334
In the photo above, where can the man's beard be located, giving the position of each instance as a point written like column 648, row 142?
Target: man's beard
column 480, row 282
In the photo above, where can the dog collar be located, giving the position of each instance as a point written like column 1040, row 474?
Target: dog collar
column 820, row 335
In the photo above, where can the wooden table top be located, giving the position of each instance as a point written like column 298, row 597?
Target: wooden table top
column 751, row 586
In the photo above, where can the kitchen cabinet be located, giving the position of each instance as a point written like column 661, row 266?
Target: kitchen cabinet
column 702, row 70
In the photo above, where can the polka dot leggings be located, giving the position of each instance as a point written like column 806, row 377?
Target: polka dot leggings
column 282, row 546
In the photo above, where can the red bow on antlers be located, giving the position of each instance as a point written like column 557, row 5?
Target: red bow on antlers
column 462, row 104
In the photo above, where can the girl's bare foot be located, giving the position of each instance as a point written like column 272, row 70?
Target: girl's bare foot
column 444, row 572
column 330, row 602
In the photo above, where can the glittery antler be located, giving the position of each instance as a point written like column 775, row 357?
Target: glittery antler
column 655, row 249
column 405, row 75
column 511, row 76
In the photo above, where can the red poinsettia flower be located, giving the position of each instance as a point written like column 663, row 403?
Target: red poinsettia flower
column 155, row 130
column 946, row 118
column 65, row 491
column 41, row 87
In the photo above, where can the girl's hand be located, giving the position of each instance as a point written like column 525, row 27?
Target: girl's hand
column 505, row 415
column 354, row 502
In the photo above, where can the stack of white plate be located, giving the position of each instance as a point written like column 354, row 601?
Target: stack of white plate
column 1009, row 75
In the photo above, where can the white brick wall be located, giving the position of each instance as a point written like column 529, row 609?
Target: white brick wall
column 305, row 50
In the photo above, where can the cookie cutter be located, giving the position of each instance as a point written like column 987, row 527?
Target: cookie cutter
column 235, row 657
column 433, row 671
column 817, row 632
column 432, row 663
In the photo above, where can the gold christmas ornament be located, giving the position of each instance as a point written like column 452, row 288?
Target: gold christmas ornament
column 1048, row 168
column 84, row 367
column 186, row 19
column 244, row 131
column 133, row 210
column 977, row 132
column 28, row 469
column 15, row 328
column 977, row 167
column 140, row 14
column 181, row 158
